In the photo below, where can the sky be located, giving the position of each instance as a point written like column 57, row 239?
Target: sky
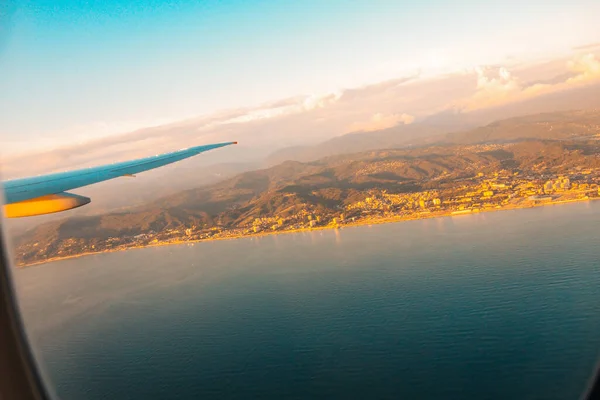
column 72, row 71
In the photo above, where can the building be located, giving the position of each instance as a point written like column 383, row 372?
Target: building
column 538, row 199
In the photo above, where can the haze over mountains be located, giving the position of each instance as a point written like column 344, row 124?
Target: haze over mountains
column 557, row 141
column 409, row 111
column 455, row 101
column 430, row 128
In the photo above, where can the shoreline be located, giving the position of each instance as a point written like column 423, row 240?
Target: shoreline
column 375, row 221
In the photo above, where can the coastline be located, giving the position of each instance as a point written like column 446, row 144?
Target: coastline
column 362, row 222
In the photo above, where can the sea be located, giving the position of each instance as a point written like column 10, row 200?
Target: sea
column 500, row 305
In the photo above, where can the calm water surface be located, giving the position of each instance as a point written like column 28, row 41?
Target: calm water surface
column 500, row 305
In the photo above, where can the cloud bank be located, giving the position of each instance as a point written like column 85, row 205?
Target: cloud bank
column 498, row 86
column 381, row 121
column 304, row 120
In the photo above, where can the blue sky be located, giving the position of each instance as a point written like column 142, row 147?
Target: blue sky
column 72, row 70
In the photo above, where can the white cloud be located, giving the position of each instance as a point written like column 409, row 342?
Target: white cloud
column 282, row 108
column 587, row 68
column 504, row 74
column 310, row 119
column 495, row 83
column 321, row 101
column 255, row 115
column 381, row 121
column 498, row 86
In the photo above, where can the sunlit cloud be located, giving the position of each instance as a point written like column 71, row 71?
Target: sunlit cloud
column 380, row 121
column 587, row 68
column 309, row 119
column 302, row 104
column 587, row 47
column 321, row 101
column 498, row 86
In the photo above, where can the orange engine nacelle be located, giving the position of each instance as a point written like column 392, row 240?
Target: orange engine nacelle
column 45, row 205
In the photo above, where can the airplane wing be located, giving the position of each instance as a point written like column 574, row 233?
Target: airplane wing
column 47, row 193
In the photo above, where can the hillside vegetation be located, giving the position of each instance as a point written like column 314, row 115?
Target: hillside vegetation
column 537, row 145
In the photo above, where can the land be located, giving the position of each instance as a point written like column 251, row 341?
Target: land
column 520, row 162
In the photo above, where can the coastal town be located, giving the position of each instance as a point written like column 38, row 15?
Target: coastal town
column 482, row 192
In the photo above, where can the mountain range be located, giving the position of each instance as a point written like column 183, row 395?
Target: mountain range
column 555, row 142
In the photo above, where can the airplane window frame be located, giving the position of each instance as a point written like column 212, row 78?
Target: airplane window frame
column 20, row 376
column 593, row 388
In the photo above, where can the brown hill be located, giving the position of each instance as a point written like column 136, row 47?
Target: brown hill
column 545, row 126
column 552, row 143
column 432, row 128
column 398, row 136
column 325, row 184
